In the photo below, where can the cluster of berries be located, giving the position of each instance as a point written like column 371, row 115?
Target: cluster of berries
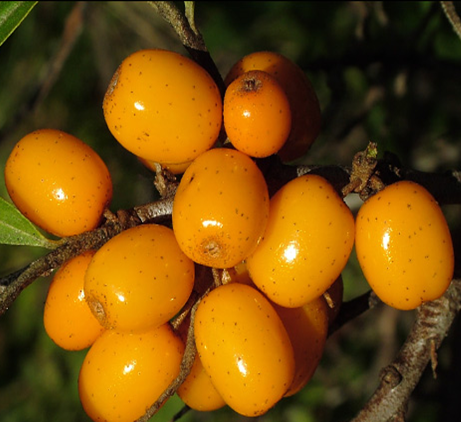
column 259, row 336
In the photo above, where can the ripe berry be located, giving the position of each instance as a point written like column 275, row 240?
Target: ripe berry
column 220, row 209
column 244, row 347
column 305, row 109
column 123, row 373
column 307, row 242
column 404, row 245
column 257, row 115
column 58, row 182
column 67, row 318
column 307, row 328
column 197, row 390
column 139, row 279
column 163, row 107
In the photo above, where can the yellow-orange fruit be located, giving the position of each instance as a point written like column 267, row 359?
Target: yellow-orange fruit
column 67, row 318
column 244, row 347
column 220, row 208
column 58, row 182
column 197, row 390
column 123, row 374
column 304, row 105
column 404, row 245
column 307, row 242
column 308, row 328
column 139, row 279
column 162, row 106
column 257, row 115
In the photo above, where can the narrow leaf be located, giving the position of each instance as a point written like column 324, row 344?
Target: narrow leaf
column 12, row 13
column 15, row 229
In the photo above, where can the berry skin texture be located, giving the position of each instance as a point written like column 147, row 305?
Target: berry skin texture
column 197, row 390
column 257, row 115
column 244, row 347
column 307, row 328
column 305, row 108
column 58, row 182
column 139, row 279
column 220, row 208
column 123, row 374
column 67, row 318
column 163, row 107
column 307, row 243
column 404, row 245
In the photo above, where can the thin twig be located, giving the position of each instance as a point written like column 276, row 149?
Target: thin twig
column 451, row 14
column 399, row 379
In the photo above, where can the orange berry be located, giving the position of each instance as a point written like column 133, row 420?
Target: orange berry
column 257, row 115
column 58, row 182
column 197, row 390
column 307, row 328
column 139, row 279
column 220, row 209
column 305, row 109
column 307, row 242
column 244, row 347
column 124, row 373
column 162, row 106
column 67, row 318
column 404, row 245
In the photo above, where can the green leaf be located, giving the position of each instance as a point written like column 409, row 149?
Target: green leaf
column 15, row 229
column 12, row 13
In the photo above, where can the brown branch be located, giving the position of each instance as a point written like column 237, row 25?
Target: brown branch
column 12, row 285
column 445, row 187
column 189, row 35
column 353, row 308
column 185, row 367
column 399, row 379
column 453, row 17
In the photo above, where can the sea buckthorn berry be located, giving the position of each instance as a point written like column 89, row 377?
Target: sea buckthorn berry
column 139, row 279
column 244, row 347
column 197, row 390
column 306, row 115
column 124, row 373
column 162, row 106
column 67, row 318
column 307, row 242
column 220, row 208
column 257, row 115
column 404, row 245
column 307, row 328
column 58, row 182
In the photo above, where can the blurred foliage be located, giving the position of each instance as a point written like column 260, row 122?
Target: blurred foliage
column 384, row 71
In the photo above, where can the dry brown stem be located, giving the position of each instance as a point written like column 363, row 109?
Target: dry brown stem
column 399, row 379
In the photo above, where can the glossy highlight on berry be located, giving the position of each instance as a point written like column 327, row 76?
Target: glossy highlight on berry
column 220, row 208
column 257, row 116
column 244, row 347
column 139, row 279
column 307, row 242
column 58, row 182
column 404, row 245
column 163, row 107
